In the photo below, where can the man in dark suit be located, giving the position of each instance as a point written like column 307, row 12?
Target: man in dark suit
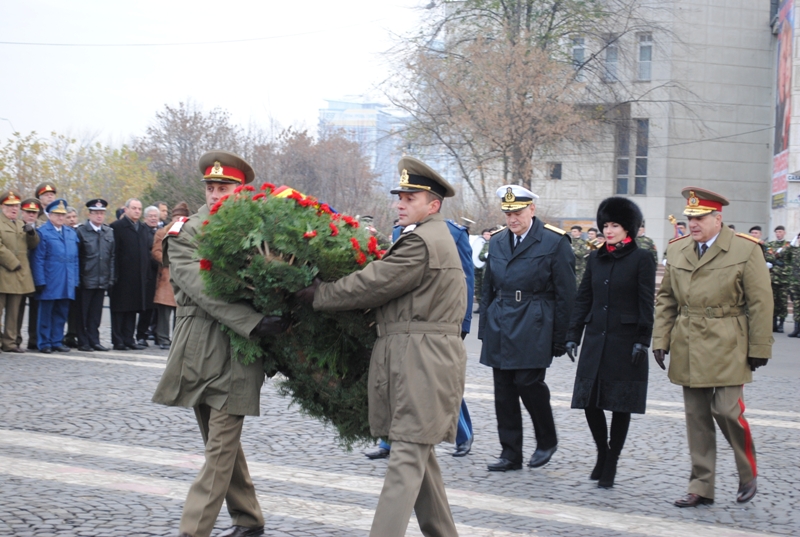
column 132, row 261
column 528, row 291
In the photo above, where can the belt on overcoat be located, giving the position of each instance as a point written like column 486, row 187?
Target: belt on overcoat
column 519, row 296
column 192, row 311
column 712, row 312
column 418, row 327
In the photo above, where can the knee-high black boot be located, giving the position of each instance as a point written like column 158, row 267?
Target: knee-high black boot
column 796, row 332
column 619, row 431
column 596, row 419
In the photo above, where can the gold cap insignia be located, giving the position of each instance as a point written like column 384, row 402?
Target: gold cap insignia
column 509, row 197
column 12, row 197
column 61, row 205
column 217, row 169
column 694, row 202
column 404, row 177
column 99, row 204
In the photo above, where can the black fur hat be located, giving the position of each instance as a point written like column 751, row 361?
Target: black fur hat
column 621, row 211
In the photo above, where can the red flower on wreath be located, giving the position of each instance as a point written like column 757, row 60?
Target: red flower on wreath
column 325, row 208
column 350, row 221
column 269, row 186
column 249, row 188
column 334, row 229
column 372, row 245
column 355, row 244
column 361, row 258
column 380, row 254
column 295, row 196
column 205, row 264
column 238, row 189
column 259, row 196
column 336, row 216
column 310, row 234
column 205, row 222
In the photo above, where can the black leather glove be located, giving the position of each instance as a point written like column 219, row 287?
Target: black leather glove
column 464, row 334
column 270, row 326
column 559, row 349
column 572, row 350
column 30, row 229
column 307, row 295
column 40, row 288
column 638, row 354
column 755, row 363
column 660, row 354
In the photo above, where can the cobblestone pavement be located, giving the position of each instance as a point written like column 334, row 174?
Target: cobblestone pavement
column 84, row 452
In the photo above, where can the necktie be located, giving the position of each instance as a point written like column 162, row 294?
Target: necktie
column 517, row 240
column 703, row 249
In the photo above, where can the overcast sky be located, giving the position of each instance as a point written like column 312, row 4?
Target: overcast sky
column 318, row 49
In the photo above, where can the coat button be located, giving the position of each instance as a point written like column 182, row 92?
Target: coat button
column 605, row 308
column 605, row 282
column 604, row 333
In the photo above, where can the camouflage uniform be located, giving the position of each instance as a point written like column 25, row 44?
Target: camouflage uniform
column 646, row 243
column 794, row 288
column 779, row 253
column 581, row 249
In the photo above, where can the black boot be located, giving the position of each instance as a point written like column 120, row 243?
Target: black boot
column 620, row 421
column 780, row 324
column 602, row 454
column 774, row 324
column 796, row 332
column 609, row 471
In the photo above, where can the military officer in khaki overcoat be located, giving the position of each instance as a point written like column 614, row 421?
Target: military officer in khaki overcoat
column 16, row 239
column 46, row 194
column 713, row 315
column 31, row 209
column 416, row 374
column 202, row 372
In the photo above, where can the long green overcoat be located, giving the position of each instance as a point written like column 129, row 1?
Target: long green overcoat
column 14, row 246
column 715, row 311
column 200, row 368
column 416, row 373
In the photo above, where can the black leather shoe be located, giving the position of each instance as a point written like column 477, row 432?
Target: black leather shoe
column 15, row 349
column 120, row 347
column 693, row 500
column 241, row 531
column 379, row 453
column 143, row 343
column 61, row 348
column 541, row 457
column 746, row 492
column 163, row 346
column 463, row 448
column 85, row 348
column 71, row 343
column 33, row 347
column 136, row 347
column 504, row 465
column 46, row 350
column 100, row 348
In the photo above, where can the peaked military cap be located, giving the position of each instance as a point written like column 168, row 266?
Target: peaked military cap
column 416, row 176
column 32, row 205
column 224, row 167
column 10, row 197
column 97, row 204
column 514, row 197
column 58, row 206
column 45, row 187
column 700, row 202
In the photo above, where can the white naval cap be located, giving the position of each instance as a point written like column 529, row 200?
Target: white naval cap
column 515, row 197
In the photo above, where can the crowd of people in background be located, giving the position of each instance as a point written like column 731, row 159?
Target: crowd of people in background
column 62, row 269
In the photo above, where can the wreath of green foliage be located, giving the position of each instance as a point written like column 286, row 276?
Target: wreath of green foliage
column 261, row 247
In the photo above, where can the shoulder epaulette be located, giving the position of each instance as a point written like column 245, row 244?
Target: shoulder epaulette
column 749, row 237
column 556, row 229
column 498, row 230
column 678, row 238
column 175, row 228
column 455, row 224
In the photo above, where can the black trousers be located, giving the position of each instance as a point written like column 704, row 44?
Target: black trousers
column 91, row 306
column 145, row 320
column 511, row 385
column 123, row 326
column 74, row 318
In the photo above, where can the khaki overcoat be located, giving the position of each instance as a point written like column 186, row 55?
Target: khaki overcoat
column 715, row 311
column 14, row 246
column 164, row 293
column 416, row 373
column 200, row 367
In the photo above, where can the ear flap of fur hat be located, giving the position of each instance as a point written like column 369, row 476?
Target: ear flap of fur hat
column 621, row 211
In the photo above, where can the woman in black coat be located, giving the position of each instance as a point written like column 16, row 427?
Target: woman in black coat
column 615, row 306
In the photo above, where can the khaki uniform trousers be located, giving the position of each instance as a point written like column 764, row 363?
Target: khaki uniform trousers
column 413, row 481
column 11, row 304
column 725, row 405
column 224, row 476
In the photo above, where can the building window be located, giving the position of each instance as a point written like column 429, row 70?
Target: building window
column 554, row 169
column 612, row 59
column 642, row 142
column 623, row 158
column 578, row 56
column 638, row 129
column 645, row 63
